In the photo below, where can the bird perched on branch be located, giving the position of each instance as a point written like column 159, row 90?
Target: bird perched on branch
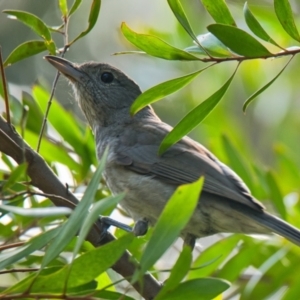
column 105, row 95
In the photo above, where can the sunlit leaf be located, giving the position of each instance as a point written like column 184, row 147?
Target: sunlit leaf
column 63, row 6
column 167, row 227
column 284, row 14
column 93, row 17
column 25, row 50
column 155, row 46
column 161, row 90
column 258, row 92
column 238, row 41
column 255, row 26
column 194, row 117
column 219, row 11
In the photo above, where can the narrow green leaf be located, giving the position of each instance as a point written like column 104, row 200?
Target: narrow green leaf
column 32, row 21
column 178, row 272
column 255, row 26
column 262, row 89
column 198, row 289
column 179, row 13
column 99, row 260
column 98, row 209
column 93, row 16
column 169, row 227
column 25, row 50
column 194, row 117
column 74, row 7
column 275, row 193
column 162, row 90
column 70, row 228
column 219, row 11
column 237, row 162
column 15, row 175
column 285, row 16
column 239, row 41
column 63, row 6
column 37, row 212
column 7, row 259
column 36, row 24
column 155, row 46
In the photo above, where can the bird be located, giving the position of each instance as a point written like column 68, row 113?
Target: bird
column 105, row 95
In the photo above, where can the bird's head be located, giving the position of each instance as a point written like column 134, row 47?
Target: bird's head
column 103, row 92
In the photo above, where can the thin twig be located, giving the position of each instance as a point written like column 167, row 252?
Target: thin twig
column 4, row 88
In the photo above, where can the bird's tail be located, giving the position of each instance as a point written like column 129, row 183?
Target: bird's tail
column 270, row 222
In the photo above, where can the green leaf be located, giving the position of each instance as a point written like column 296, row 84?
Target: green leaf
column 198, row 289
column 255, row 26
column 98, row 209
column 194, row 117
column 275, row 194
column 69, row 129
column 36, row 24
column 93, row 16
column 284, row 14
column 15, row 175
column 63, row 6
column 219, row 11
column 223, row 247
column 37, row 212
column 25, row 50
column 162, row 90
column 239, row 41
column 178, row 272
column 262, row 89
column 213, row 45
column 74, row 7
column 155, row 46
column 70, row 228
column 168, row 227
column 77, row 274
column 179, row 13
column 7, row 259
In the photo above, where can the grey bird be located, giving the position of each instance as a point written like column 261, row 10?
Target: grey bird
column 105, row 95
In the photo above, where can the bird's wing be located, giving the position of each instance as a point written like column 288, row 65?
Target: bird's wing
column 183, row 163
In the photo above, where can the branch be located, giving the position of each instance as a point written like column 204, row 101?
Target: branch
column 43, row 178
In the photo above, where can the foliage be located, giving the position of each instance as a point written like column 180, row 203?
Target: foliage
column 38, row 240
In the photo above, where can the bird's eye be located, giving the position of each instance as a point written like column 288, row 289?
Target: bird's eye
column 107, row 77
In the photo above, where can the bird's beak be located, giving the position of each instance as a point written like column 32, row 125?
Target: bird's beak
column 65, row 67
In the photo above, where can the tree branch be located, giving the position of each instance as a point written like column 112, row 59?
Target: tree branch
column 43, row 178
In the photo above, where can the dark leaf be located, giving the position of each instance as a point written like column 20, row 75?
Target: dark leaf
column 238, row 41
